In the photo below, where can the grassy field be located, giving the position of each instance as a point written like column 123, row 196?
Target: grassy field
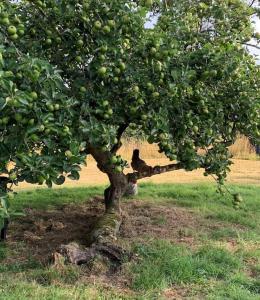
column 188, row 241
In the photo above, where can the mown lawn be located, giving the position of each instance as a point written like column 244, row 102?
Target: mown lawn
column 216, row 258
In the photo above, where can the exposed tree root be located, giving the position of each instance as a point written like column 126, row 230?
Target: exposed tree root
column 102, row 250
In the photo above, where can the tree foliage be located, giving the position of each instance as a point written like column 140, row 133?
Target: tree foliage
column 77, row 74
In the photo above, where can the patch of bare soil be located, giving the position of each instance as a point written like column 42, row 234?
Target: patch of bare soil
column 42, row 232
column 149, row 220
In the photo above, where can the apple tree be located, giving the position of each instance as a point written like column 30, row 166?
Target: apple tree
column 76, row 75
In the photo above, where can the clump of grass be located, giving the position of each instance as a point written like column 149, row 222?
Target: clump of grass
column 67, row 275
column 163, row 264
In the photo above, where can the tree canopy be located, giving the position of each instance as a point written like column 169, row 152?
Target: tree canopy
column 76, row 75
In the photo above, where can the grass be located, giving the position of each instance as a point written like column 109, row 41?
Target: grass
column 43, row 198
column 177, row 265
column 208, row 269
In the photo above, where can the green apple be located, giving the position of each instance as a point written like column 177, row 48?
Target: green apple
column 102, row 71
column 106, row 29
column 113, row 159
column 48, row 42
column 68, row 153
column 155, row 94
column 83, row 89
column 144, row 117
column 14, row 37
column 118, row 169
column 18, row 117
column 56, row 106
column 122, row 66
column 80, row 43
column 110, row 112
column 34, row 95
column 136, row 89
column 41, row 128
column 140, row 101
column 105, row 103
column 97, row 25
column 111, row 23
column 12, row 30
column 5, row 21
column 78, row 58
column 103, row 48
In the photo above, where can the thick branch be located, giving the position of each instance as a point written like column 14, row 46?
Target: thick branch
column 153, row 171
column 120, row 132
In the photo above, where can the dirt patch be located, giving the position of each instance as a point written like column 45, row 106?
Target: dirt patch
column 145, row 220
column 41, row 232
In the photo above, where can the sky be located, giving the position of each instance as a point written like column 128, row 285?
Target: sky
column 255, row 51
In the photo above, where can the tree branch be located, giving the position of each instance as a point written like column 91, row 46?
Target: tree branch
column 252, row 3
column 251, row 45
column 120, row 132
column 154, row 171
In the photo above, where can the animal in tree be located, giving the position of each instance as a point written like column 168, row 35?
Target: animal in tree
column 77, row 75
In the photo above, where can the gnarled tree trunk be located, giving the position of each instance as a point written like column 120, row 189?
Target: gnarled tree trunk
column 101, row 239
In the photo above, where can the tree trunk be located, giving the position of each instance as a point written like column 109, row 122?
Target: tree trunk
column 115, row 192
column 102, row 238
column 106, row 228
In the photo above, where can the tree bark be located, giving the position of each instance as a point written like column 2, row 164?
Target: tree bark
column 114, row 193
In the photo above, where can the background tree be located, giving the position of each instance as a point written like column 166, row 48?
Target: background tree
column 88, row 71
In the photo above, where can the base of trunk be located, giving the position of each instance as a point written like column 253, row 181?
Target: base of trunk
column 102, row 252
column 75, row 254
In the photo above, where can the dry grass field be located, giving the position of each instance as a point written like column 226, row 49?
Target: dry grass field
column 246, row 167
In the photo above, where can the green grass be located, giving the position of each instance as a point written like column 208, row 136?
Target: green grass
column 44, row 198
column 177, row 265
column 209, row 269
